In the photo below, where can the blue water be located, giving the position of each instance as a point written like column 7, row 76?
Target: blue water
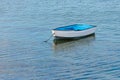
column 26, row 24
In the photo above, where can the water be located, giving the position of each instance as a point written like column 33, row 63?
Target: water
column 24, row 25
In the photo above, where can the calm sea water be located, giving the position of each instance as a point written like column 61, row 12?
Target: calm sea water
column 25, row 24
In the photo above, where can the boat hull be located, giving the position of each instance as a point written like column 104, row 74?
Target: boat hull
column 72, row 33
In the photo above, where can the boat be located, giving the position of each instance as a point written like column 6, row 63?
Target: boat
column 73, row 31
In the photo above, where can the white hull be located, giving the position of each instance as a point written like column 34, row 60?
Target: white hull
column 72, row 33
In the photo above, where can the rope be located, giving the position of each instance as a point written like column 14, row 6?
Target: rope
column 49, row 38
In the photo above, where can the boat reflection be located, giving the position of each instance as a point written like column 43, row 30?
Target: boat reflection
column 60, row 41
column 65, row 44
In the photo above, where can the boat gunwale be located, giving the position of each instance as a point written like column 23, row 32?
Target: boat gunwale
column 93, row 26
column 74, row 30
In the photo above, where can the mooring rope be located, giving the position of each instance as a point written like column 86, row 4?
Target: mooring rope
column 49, row 38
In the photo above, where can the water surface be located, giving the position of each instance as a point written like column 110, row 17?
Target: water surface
column 24, row 25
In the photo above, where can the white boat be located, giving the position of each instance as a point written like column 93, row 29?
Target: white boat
column 73, row 31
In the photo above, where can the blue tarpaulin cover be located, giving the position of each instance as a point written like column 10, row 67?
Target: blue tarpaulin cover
column 75, row 27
